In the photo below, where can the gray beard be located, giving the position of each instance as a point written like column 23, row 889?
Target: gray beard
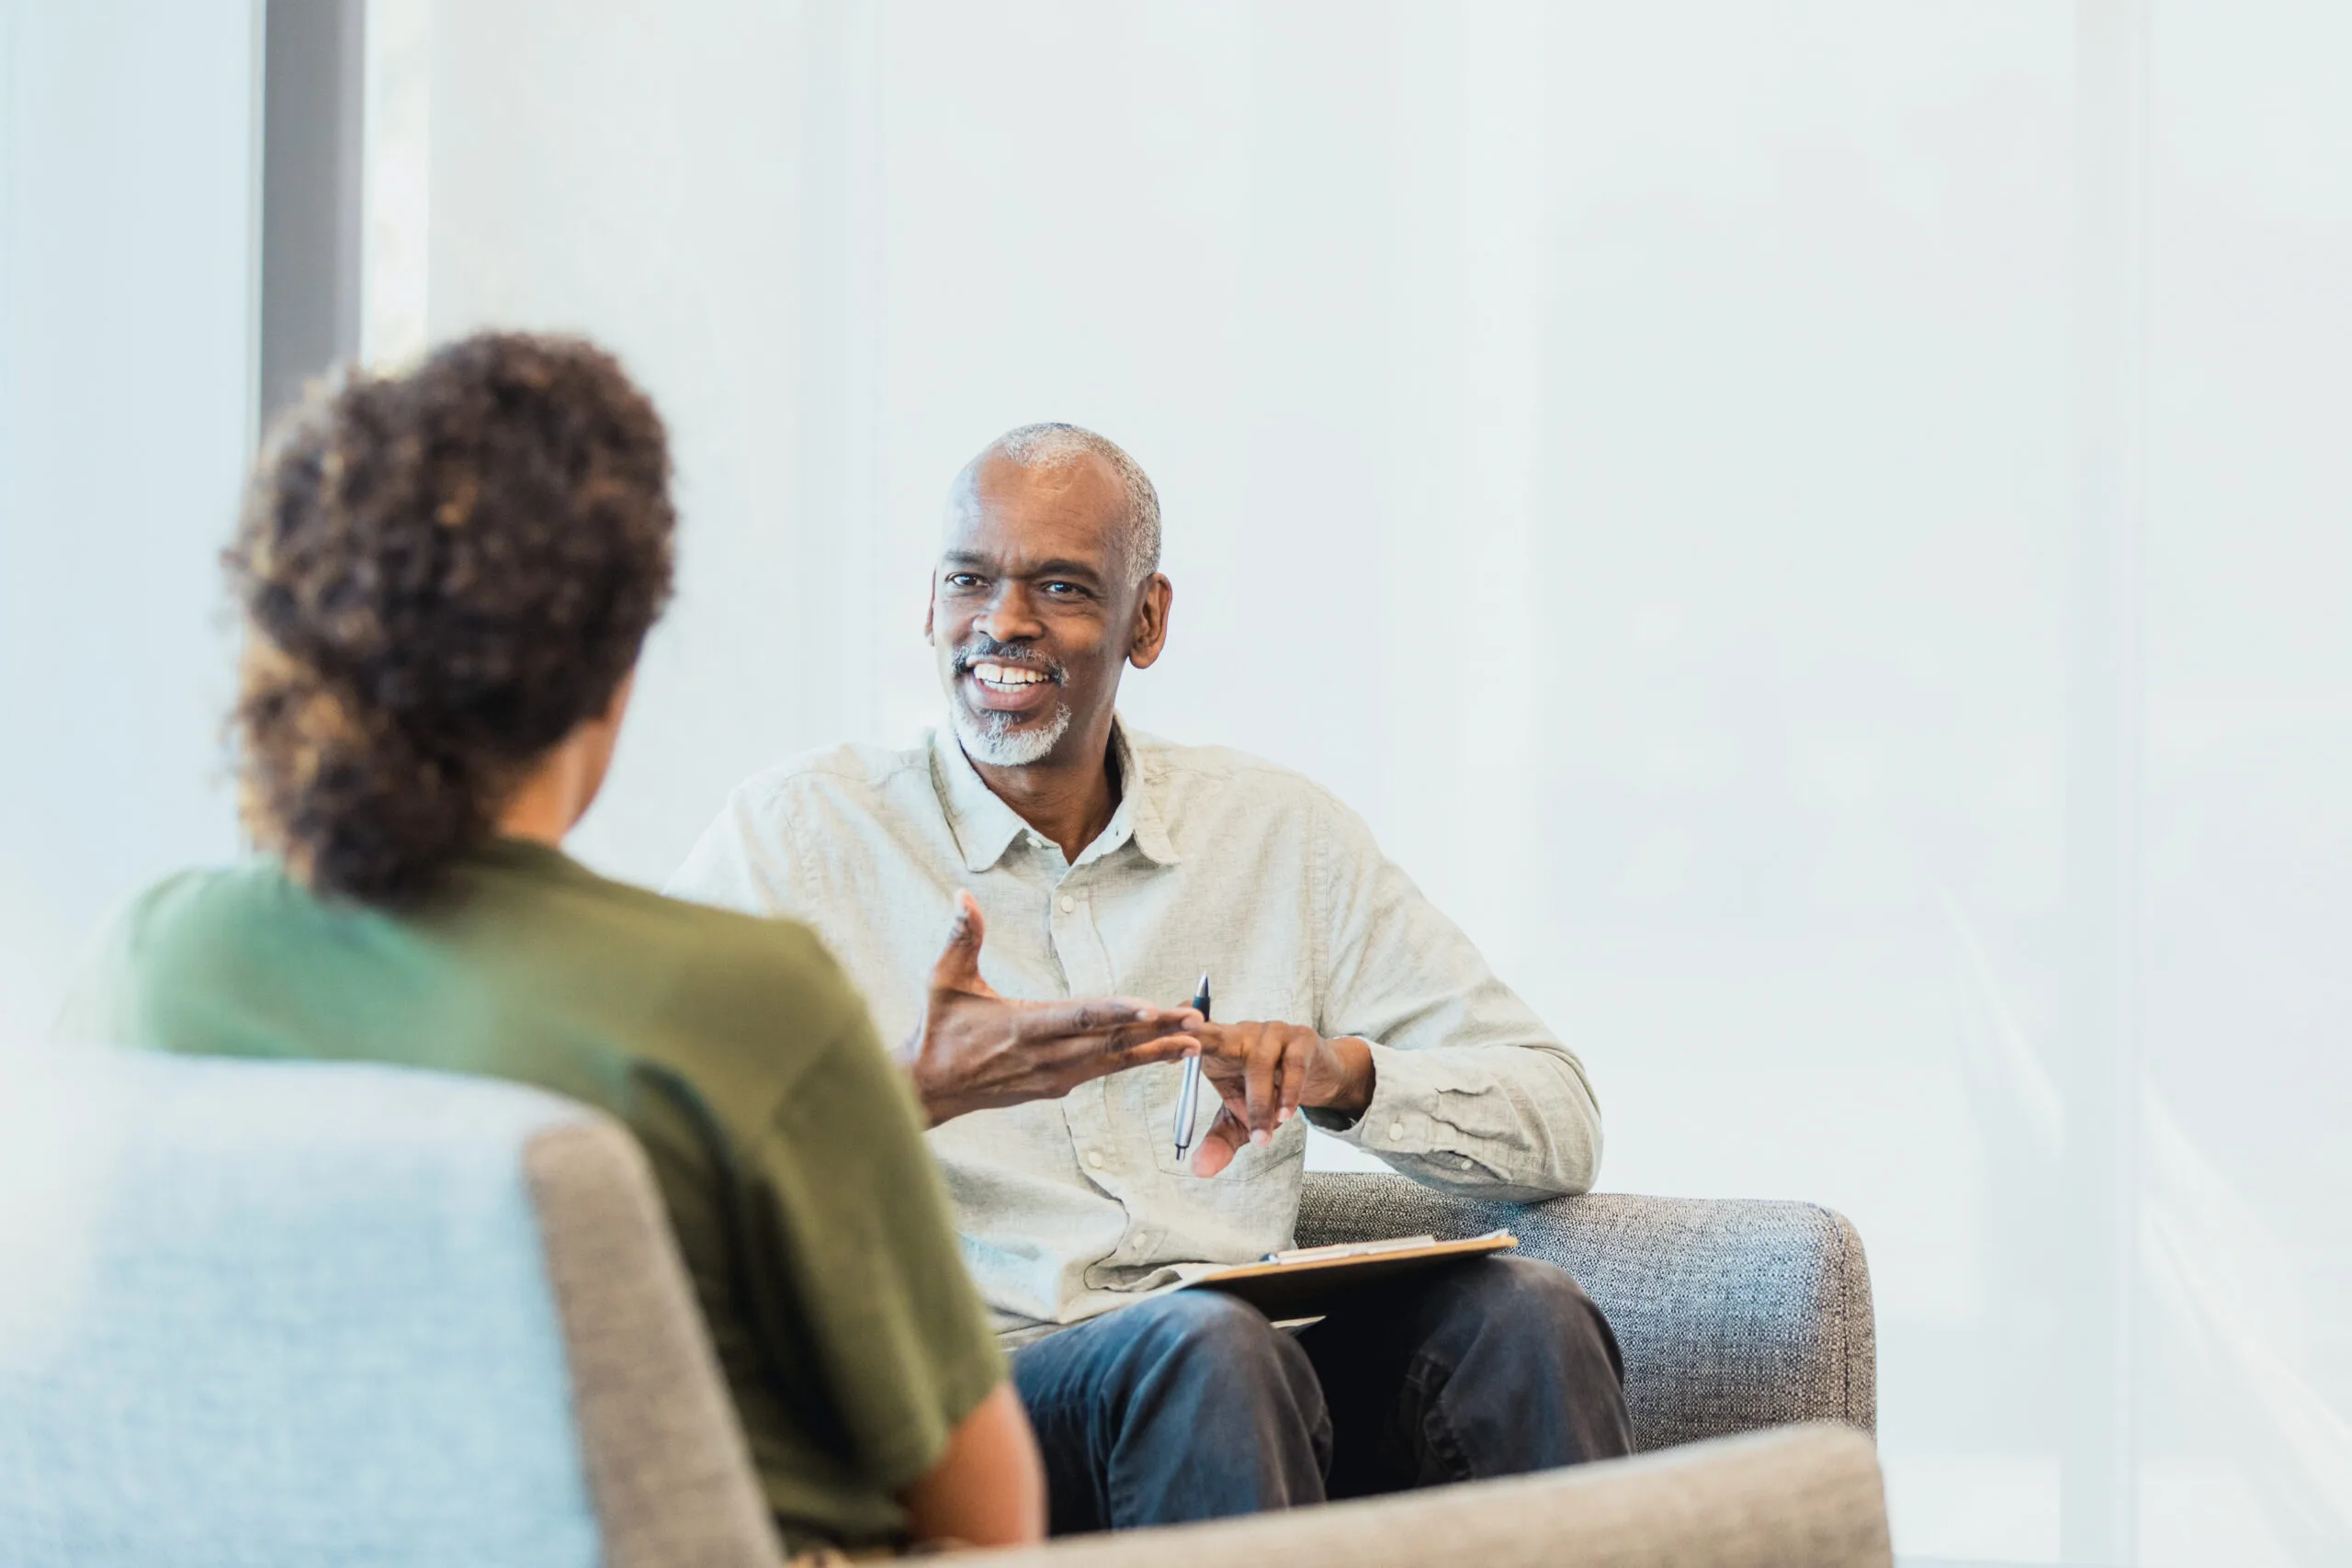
column 990, row 738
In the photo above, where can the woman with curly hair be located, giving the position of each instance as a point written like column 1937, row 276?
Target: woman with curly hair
column 446, row 578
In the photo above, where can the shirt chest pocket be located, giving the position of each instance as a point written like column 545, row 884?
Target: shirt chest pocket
column 1160, row 1088
column 1250, row 1163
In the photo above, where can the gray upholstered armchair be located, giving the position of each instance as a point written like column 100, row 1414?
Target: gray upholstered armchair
column 342, row 1315
column 1732, row 1314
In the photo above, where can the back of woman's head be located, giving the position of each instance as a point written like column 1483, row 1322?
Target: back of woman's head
column 443, row 573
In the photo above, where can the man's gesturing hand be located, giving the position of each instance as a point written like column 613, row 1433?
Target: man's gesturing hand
column 976, row 1049
column 1264, row 1072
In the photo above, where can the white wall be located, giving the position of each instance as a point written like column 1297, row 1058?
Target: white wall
column 1818, row 530
column 126, row 323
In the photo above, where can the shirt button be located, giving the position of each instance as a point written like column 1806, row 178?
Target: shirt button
column 1068, row 903
column 1094, row 1159
column 1395, row 1132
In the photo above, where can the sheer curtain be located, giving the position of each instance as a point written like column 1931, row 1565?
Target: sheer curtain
column 1816, row 530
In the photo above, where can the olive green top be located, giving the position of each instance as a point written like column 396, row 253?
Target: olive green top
column 786, row 1144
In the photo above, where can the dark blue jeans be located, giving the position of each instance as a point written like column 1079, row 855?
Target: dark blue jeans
column 1191, row 1406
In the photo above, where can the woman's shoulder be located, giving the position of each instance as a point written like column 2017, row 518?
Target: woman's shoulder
column 207, row 912
column 192, row 933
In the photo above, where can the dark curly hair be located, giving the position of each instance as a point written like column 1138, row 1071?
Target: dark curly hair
column 442, row 573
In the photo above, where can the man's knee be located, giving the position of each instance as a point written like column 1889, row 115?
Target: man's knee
column 1207, row 1352
column 1209, row 1329
column 1235, row 1383
column 1187, row 1406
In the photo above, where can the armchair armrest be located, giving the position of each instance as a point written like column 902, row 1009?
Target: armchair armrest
column 1732, row 1314
column 1808, row 1498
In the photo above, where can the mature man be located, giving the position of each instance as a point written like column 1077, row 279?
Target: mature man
column 1103, row 865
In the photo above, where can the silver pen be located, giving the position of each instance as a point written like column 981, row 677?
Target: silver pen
column 1188, row 1099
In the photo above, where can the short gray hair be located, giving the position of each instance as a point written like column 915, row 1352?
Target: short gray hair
column 1056, row 446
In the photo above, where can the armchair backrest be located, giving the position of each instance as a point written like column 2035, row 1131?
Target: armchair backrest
column 340, row 1314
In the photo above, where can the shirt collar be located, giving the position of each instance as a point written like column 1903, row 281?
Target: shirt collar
column 985, row 826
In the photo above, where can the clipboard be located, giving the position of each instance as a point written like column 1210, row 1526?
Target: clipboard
column 1286, row 1285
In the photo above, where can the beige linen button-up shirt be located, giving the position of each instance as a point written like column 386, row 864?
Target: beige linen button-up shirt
column 1213, row 860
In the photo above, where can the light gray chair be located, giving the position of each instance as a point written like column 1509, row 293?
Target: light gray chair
column 332, row 1314
column 1732, row 1314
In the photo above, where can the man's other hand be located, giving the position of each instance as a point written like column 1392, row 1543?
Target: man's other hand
column 977, row 1050
column 1265, row 1071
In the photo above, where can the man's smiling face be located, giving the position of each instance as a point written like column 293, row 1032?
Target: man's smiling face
column 1034, row 609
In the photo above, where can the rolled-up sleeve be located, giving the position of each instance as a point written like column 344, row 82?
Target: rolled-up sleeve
column 1472, row 1093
